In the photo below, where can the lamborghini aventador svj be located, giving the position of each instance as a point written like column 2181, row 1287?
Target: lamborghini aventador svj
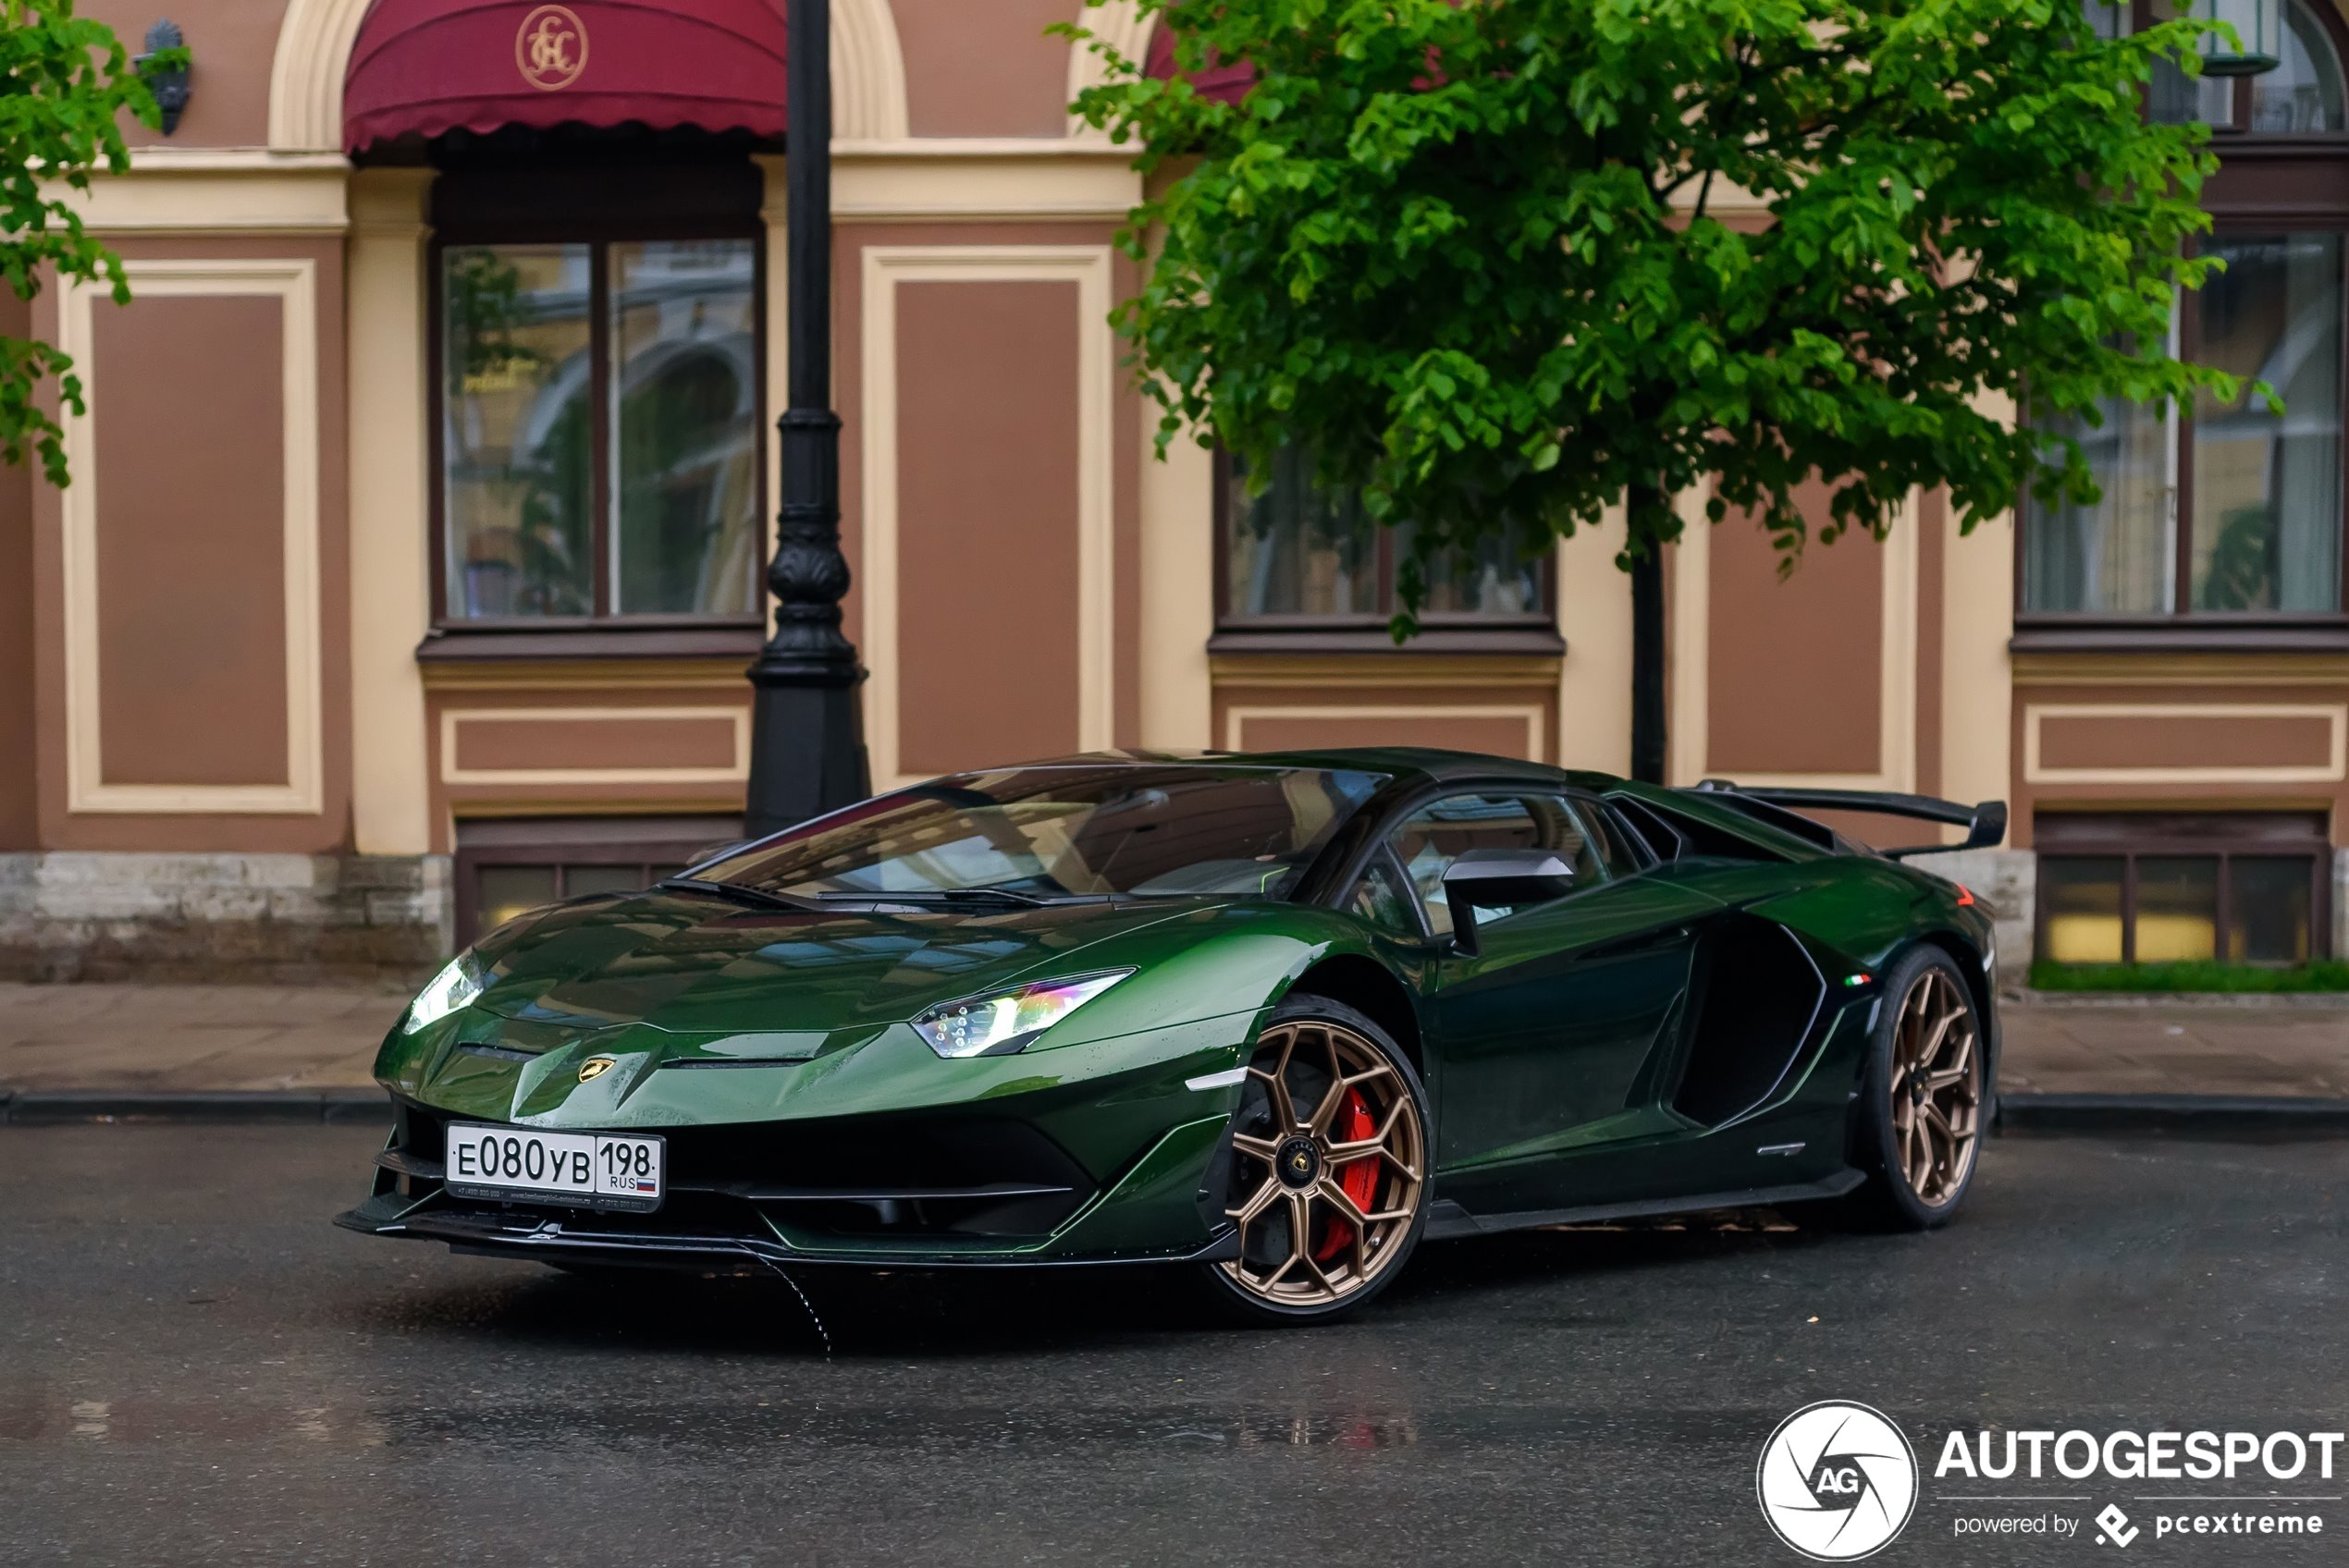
column 1265, row 1019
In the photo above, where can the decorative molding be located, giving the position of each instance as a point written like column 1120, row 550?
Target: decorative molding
column 583, row 675
column 1383, row 671
column 1123, row 27
column 314, row 44
column 450, row 719
column 2335, row 769
column 293, row 282
column 2181, row 668
column 1088, row 266
column 245, row 193
column 869, row 71
column 1236, row 716
column 935, row 180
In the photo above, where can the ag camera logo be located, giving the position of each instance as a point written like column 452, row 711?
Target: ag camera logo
column 1836, row 1481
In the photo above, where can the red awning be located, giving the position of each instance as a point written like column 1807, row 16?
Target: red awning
column 428, row 66
column 1226, row 80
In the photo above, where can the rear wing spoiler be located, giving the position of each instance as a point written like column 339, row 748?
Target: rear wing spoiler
column 1986, row 824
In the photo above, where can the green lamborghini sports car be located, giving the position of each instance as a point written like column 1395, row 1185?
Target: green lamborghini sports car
column 1268, row 1019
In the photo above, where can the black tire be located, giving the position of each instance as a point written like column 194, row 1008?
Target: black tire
column 1226, row 1295
column 1924, row 985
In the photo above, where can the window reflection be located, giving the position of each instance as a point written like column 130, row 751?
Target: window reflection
column 2303, row 93
column 686, row 419
column 2267, row 490
column 518, row 430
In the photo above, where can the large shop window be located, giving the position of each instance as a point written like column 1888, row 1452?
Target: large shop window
column 1295, row 557
column 600, row 430
column 2225, row 509
column 2147, row 887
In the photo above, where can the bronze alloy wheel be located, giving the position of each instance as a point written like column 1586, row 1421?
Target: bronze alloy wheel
column 1330, row 1161
column 1935, row 1087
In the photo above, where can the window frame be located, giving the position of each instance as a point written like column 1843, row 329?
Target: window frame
column 1369, row 629
column 2229, row 837
column 599, row 234
column 2265, row 184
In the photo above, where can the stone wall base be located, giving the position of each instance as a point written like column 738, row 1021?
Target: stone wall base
column 88, row 915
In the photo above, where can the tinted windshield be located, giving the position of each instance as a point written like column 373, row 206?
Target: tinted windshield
column 1054, row 832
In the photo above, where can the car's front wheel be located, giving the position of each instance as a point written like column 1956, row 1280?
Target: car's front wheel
column 1329, row 1168
column 1921, row 1104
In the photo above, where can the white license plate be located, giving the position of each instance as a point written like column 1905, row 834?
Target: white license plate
column 590, row 1169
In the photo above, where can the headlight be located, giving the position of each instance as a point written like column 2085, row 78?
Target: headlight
column 453, row 987
column 1000, row 1024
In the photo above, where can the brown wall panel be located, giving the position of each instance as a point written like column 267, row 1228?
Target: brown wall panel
column 1794, row 668
column 2173, row 741
column 188, row 405
column 1438, row 727
column 1297, row 713
column 986, row 444
column 985, row 68
column 497, row 745
column 19, row 799
column 329, row 829
column 231, row 44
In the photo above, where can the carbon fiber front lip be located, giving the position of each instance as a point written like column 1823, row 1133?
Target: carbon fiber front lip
column 501, row 1235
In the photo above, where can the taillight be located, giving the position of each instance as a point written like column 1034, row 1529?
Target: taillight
column 1965, row 896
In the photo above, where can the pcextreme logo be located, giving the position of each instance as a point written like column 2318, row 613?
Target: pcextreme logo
column 1836, row 1481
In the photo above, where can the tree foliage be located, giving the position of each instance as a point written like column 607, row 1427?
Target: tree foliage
column 64, row 82
column 1502, row 263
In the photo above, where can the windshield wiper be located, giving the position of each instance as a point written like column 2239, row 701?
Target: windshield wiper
column 962, row 896
column 741, row 893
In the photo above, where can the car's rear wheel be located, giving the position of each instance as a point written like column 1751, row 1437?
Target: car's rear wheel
column 1329, row 1167
column 1921, row 1107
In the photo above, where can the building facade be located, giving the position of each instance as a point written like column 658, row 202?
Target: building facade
column 411, row 565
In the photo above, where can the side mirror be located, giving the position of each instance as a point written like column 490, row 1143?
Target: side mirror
column 1498, row 880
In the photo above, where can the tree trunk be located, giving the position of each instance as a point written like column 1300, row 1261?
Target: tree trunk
column 1642, row 505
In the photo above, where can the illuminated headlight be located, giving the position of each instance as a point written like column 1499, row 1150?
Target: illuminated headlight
column 1005, row 1023
column 453, row 987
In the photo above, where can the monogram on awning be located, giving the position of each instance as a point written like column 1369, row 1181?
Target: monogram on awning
column 429, row 67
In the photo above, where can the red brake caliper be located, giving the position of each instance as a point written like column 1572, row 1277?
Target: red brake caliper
column 1358, row 1180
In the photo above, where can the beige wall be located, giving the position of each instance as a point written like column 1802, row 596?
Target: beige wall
column 231, row 44
column 20, row 813
column 985, row 68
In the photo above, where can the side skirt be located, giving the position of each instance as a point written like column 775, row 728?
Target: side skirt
column 1446, row 1219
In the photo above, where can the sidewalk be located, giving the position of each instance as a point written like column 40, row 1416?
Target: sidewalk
column 159, row 1039
column 128, row 1038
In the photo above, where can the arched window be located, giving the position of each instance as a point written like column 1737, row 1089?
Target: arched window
column 2229, row 509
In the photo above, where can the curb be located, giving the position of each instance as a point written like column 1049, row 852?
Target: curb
column 52, row 1107
column 2207, row 1115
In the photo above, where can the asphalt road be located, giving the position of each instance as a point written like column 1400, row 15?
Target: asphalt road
column 194, row 1368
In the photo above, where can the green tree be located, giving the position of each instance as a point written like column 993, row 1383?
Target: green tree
column 63, row 83
column 1502, row 263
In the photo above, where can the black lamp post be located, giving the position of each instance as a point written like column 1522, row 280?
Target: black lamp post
column 807, row 741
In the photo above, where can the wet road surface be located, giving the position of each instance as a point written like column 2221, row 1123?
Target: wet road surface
column 195, row 1367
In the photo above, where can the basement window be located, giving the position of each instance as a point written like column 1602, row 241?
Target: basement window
column 2163, row 888
column 506, row 866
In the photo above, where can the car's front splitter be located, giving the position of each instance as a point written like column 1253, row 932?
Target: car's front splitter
column 510, row 1232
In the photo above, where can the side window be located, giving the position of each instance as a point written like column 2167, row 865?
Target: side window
column 1435, row 835
column 1379, row 897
